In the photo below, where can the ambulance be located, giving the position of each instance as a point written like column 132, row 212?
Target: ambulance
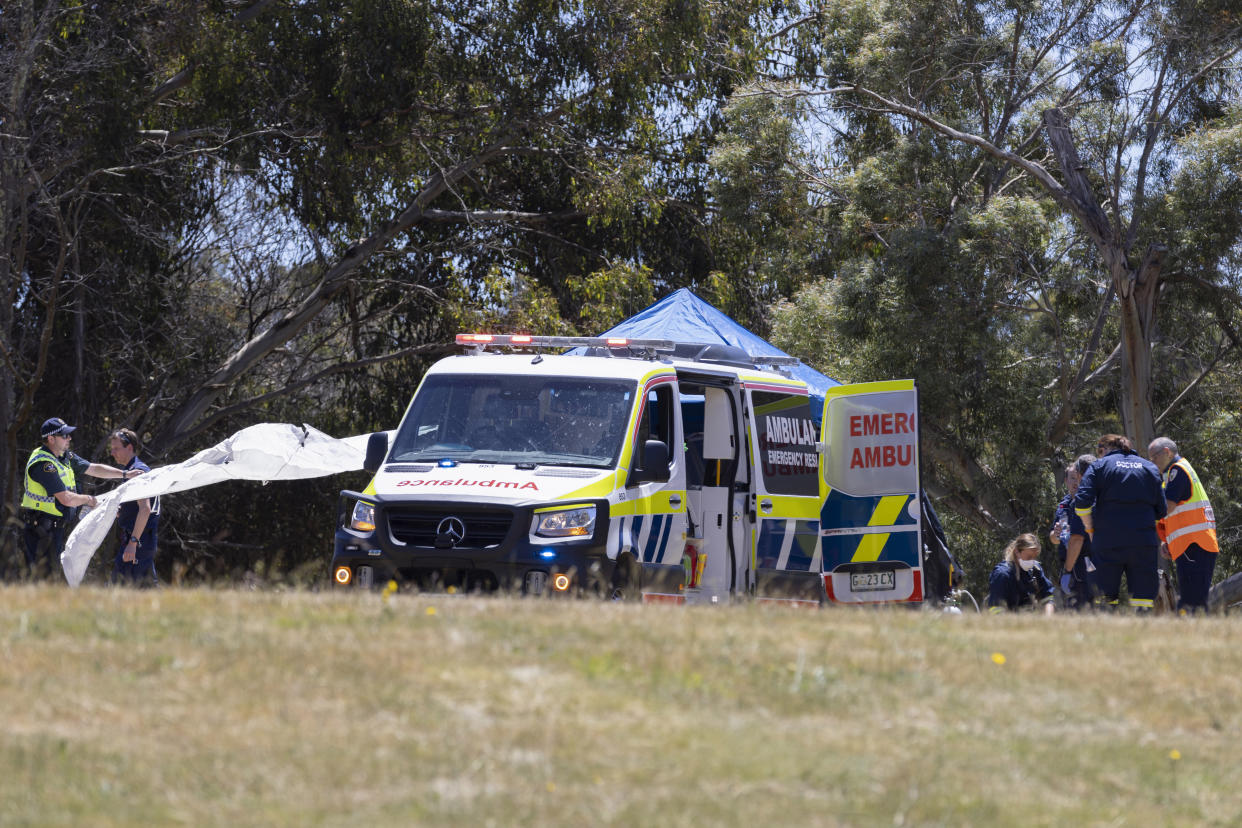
column 639, row 469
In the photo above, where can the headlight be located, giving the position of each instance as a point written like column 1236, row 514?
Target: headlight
column 567, row 523
column 363, row 519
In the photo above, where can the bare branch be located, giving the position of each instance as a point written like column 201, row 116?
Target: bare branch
column 332, row 282
column 435, row 349
column 182, row 79
column 501, row 216
column 1220, row 353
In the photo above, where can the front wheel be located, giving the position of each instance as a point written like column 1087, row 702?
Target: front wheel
column 626, row 581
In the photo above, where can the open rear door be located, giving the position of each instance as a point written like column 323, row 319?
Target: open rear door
column 870, row 518
column 785, row 503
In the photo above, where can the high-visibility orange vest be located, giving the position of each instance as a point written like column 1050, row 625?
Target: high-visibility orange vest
column 1191, row 521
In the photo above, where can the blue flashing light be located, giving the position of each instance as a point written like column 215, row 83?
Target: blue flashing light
column 547, row 554
column 447, row 463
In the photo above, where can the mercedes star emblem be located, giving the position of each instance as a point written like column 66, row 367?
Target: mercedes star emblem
column 452, row 530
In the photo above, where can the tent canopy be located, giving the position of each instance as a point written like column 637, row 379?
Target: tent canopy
column 684, row 317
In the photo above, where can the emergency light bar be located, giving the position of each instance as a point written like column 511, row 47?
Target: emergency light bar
column 643, row 348
column 483, row 340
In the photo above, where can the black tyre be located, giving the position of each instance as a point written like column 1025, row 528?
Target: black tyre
column 626, row 580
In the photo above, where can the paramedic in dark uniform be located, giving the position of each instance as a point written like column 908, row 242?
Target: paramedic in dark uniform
column 1189, row 530
column 51, row 497
column 1077, row 594
column 1077, row 568
column 1119, row 501
column 1019, row 581
column 137, row 520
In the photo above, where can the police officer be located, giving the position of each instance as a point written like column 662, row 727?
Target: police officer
column 1189, row 531
column 137, row 520
column 1077, row 568
column 1018, row 580
column 51, row 495
column 1119, row 501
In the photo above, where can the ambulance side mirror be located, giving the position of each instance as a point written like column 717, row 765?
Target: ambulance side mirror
column 654, row 468
column 377, row 449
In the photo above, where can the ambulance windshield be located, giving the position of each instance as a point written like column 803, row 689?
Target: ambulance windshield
column 478, row 418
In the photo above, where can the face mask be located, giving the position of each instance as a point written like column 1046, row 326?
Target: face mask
column 1027, row 565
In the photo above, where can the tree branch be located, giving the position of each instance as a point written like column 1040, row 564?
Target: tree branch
column 1063, row 196
column 182, row 79
column 500, row 216
column 988, row 506
column 434, row 349
column 332, row 282
column 1195, row 382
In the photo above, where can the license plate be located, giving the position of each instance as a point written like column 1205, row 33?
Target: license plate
column 872, row 581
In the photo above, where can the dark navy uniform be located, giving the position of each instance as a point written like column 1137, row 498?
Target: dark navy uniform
column 1123, row 494
column 1012, row 588
column 142, row 570
column 1083, row 590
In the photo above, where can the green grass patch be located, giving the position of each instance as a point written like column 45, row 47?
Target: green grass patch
column 239, row 708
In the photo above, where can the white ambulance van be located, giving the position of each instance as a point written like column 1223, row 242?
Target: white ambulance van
column 636, row 469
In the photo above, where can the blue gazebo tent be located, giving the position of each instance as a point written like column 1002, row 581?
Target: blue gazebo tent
column 684, row 317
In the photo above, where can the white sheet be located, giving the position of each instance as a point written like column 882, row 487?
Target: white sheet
column 269, row 451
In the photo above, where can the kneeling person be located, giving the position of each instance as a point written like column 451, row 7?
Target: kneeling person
column 1018, row 580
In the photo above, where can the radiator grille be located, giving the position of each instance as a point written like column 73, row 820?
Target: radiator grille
column 419, row 527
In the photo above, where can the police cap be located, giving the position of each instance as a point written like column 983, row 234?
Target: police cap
column 55, row 426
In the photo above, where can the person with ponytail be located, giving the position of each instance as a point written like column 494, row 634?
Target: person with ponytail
column 1018, row 581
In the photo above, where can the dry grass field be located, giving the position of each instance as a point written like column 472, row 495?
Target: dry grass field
column 201, row 707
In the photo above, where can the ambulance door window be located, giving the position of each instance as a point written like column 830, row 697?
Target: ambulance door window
column 692, row 424
column 785, row 437
column 657, row 422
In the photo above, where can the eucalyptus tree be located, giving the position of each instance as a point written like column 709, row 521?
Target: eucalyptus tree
column 1004, row 190
column 435, row 150
column 244, row 201
column 88, row 210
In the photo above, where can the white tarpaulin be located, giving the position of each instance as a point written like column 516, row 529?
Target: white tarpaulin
column 270, row 451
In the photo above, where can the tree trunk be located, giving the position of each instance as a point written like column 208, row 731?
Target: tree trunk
column 1137, row 292
column 1136, row 289
column 985, row 503
column 8, row 295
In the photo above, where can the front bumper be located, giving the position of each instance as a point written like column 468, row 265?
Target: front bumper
column 497, row 551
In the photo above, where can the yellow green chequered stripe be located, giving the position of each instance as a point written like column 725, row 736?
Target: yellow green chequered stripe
column 885, row 514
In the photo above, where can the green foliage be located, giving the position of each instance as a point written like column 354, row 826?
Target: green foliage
column 765, row 225
column 942, row 262
column 272, row 143
column 607, row 297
